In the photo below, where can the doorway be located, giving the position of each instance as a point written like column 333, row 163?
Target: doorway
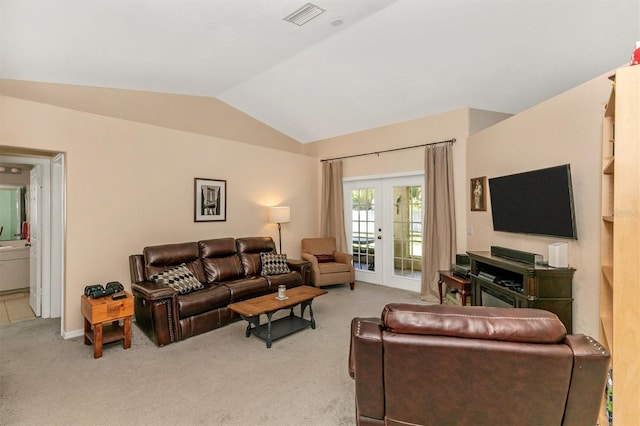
column 46, row 257
column 383, row 221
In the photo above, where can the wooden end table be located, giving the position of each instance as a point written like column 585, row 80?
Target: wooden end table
column 104, row 315
column 304, row 267
column 461, row 284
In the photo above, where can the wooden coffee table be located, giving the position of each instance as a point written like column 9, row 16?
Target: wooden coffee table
column 251, row 309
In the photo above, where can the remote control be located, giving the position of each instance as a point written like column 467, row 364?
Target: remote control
column 119, row 296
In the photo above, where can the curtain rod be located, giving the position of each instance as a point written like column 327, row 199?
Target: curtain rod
column 387, row 150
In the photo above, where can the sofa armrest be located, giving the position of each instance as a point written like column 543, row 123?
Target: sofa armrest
column 151, row 291
column 310, row 258
column 313, row 261
column 341, row 257
column 355, row 323
column 156, row 310
column 588, row 380
column 303, row 267
column 315, row 269
column 366, row 366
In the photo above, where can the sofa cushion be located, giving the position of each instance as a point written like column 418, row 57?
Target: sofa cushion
column 222, row 269
column 249, row 249
column 333, row 267
column 290, row 280
column 179, row 278
column 273, row 264
column 220, row 259
column 325, row 258
column 160, row 258
column 247, row 288
column 212, row 297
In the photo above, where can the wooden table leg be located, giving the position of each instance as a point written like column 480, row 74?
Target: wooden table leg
column 464, row 298
column 87, row 330
column 97, row 341
column 127, row 333
column 269, row 341
column 440, row 282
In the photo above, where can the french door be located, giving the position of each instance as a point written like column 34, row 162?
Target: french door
column 383, row 221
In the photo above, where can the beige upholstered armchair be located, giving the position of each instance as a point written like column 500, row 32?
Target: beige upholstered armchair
column 328, row 266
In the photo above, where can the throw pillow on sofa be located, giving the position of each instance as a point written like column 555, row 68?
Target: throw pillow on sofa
column 273, row 264
column 325, row 258
column 179, row 278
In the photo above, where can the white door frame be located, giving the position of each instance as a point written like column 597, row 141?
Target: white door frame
column 58, row 231
column 34, row 241
column 390, row 278
column 385, row 273
column 52, row 255
column 365, row 275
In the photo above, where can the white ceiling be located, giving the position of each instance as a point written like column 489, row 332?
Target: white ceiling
column 390, row 61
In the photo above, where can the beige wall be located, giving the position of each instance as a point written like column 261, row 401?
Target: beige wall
column 129, row 185
column 415, row 132
column 454, row 124
column 197, row 114
column 564, row 129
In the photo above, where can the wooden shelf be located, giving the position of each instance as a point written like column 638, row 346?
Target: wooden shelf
column 620, row 243
column 610, row 108
column 607, row 271
column 607, row 327
column 608, row 168
column 110, row 333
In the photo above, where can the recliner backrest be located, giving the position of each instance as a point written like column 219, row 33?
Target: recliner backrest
column 249, row 249
column 325, row 245
column 162, row 257
column 220, row 259
column 489, row 366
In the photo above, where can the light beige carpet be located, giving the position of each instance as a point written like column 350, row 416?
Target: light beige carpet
column 218, row 378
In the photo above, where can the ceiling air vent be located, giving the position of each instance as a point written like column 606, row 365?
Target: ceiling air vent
column 304, row 14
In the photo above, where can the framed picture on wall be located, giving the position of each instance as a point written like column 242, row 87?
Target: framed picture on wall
column 479, row 194
column 210, row 200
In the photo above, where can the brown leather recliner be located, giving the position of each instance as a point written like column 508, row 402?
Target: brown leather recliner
column 328, row 266
column 474, row 365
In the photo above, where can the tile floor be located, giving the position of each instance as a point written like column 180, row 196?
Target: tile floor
column 15, row 307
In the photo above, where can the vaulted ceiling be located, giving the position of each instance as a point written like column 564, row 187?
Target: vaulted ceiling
column 360, row 64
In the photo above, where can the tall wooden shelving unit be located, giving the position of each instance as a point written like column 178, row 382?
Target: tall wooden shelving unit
column 620, row 244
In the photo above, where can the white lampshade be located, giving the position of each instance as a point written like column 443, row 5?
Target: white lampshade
column 279, row 214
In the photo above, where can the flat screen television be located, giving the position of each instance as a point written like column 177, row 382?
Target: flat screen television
column 535, row 202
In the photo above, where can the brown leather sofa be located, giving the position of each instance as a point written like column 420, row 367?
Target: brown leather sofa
column 230, row 270
column 451, row 365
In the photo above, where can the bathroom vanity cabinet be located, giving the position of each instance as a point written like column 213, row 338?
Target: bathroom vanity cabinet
column 14, row 268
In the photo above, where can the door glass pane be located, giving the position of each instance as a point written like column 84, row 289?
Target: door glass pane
column 407, row 231
column 363, row 228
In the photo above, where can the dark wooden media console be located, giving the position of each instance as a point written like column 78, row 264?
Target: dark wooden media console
column 517, row 281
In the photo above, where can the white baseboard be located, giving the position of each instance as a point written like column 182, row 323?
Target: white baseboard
column 72, row 334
